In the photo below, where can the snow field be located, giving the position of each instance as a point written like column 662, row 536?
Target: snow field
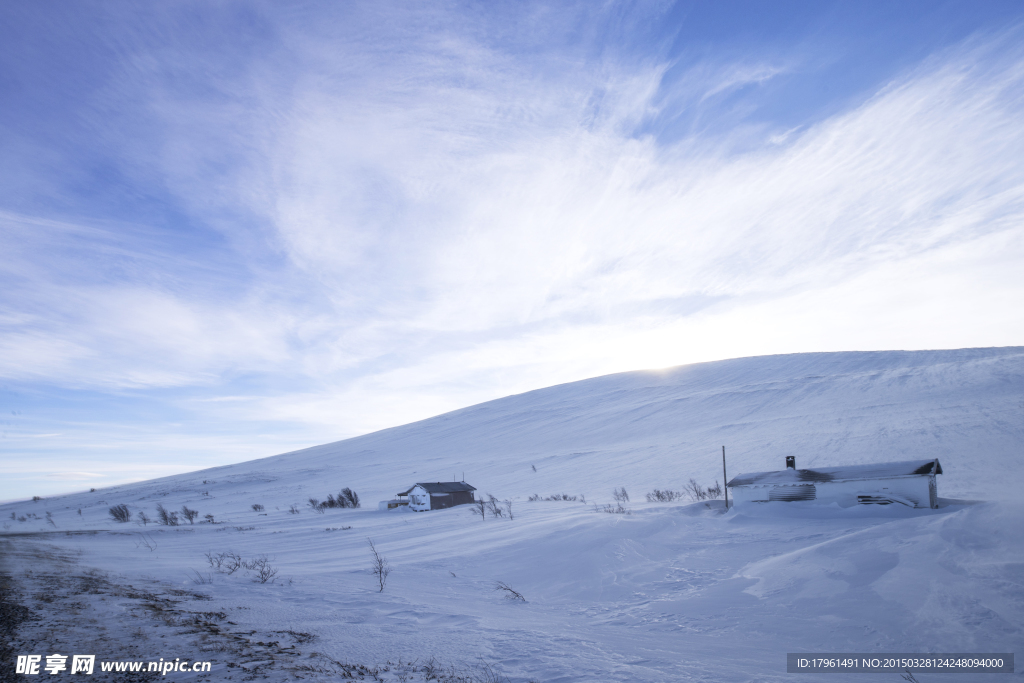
column 666, row 593
column 670, row 592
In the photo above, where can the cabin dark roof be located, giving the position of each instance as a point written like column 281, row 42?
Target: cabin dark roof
column 441, row 487
column 882, row 470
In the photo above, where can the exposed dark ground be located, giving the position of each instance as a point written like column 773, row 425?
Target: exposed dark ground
column 50, row 603
column 12, row 614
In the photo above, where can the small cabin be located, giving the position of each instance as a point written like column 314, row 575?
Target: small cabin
column 437, row 495
column 911, row 483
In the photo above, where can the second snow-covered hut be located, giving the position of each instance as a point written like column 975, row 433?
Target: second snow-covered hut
column 910, row 483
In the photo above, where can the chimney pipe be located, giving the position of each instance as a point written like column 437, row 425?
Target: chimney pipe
column 791, row 462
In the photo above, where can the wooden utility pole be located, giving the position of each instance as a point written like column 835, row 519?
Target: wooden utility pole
column 725, row 480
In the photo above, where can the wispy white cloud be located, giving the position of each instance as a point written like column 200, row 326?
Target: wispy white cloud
column 87, row 306
column 739, row 76
column 515, row 239
column 522, row 222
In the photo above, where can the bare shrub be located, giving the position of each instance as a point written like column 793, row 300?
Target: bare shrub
column 120, row 513
column 142, row 518
column 510, row 593
column 49, row 519
column 146, row 541
column 695, row 491
column 231, row 563
column 620, row 495
column 715, row 491
column 166, row 518
column 198, row 578
column 616, row 509
column 666, row 496
column 380, row 568
column 257, row 507
column 480, row 508
column 317, row 506
column 489, row 675
column 508, row 508
column 189, row 514
column 558, row 496
column 208, row 519
column 293, row 510
column 347, row 498
column 225, row 563
column 535, row 497
column 431, row 668
column 36, row 499
column 351, row 496
column 494, row 506
column 262, row 569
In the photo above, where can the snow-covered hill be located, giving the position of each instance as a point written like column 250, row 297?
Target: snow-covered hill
column 656, row 429
column 669, row 592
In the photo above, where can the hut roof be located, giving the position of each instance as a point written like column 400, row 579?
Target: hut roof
column 882, row 470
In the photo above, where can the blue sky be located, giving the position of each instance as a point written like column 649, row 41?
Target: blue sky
column 236, row 229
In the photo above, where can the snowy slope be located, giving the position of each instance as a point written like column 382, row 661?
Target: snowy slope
column 656, row 429
column 670, row 592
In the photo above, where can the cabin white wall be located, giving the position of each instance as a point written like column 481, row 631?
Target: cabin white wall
column 419, row 499
column 844, row 493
